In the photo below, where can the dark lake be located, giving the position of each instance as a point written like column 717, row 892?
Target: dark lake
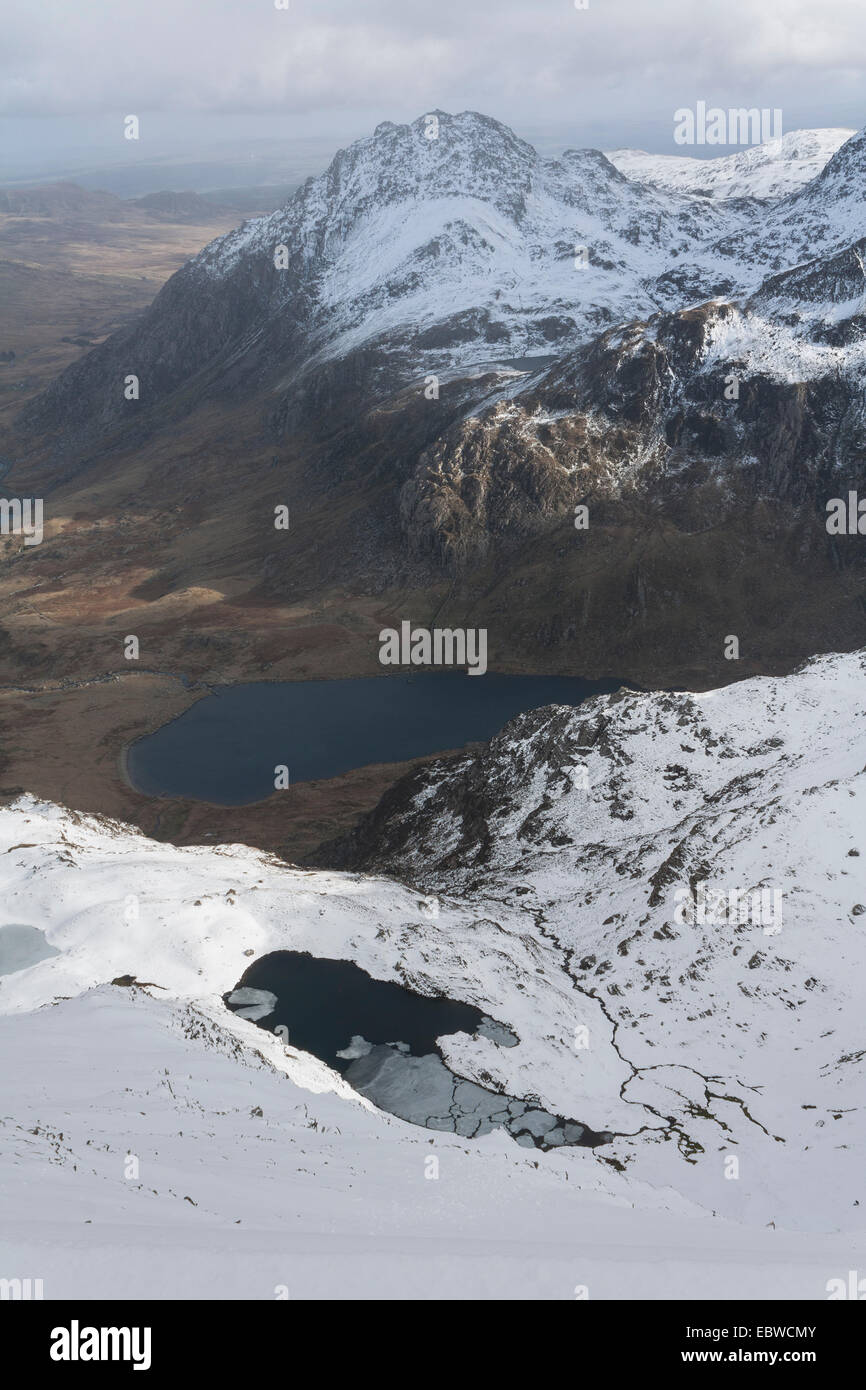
column 383, row 1038
column 224, row 748
column 324, row 1002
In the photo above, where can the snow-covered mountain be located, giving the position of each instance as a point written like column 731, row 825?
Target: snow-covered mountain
column 821, row 219
column 769, row 170
column 595, row 878
column 404, row 232
column 414, row 254
column 449, row 249
column 463, row 341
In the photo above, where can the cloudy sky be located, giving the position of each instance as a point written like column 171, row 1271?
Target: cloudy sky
column 205, row 71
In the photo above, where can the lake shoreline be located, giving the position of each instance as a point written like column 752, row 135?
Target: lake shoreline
column 234, row 746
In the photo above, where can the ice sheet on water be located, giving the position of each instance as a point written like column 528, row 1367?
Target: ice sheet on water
column 497, row 1032
column 358, row 1047
column 254, row 1003
column 424, row 1091
column 22, row 946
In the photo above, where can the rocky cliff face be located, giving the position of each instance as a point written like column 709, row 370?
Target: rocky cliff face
column 700, row 412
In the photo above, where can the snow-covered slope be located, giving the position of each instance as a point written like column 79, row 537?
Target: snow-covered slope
column 404, row 232
column 821, row 219
column 249, row 1186
column 750, row 789
column 567, row 860
column 770, row 170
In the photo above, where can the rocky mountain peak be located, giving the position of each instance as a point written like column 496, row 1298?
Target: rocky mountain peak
column 846, row 170
column 438, row 155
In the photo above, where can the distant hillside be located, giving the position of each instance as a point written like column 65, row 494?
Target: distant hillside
column 170, row 206
column 62, row 200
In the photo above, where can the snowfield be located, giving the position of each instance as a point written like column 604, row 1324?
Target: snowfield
column 769, row 170
column 155, row 1144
